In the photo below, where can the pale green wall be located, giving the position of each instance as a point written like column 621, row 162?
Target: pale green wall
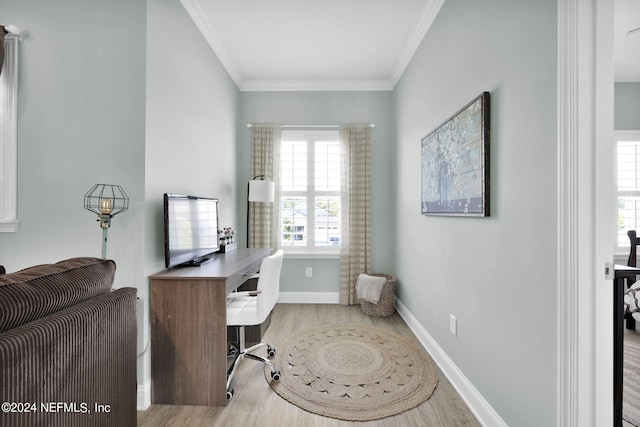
column 82, row 119
column 191, row 121
column 81, row 107
column 627, row 106
column 325, row 275
column 497, row 275
column 125, row 92
column 327, row 108
column 190, row 125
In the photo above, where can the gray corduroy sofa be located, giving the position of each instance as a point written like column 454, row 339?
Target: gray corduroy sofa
column 67, row 346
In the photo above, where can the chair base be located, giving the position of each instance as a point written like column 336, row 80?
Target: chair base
column 239, row 354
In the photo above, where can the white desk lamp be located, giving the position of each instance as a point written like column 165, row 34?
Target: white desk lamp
column 260, row 191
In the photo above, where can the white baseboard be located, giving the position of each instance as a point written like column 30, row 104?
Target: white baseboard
column 144, row 396
column 483, row 411
column 309, row 298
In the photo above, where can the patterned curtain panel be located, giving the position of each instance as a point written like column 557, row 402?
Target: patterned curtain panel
column 355, row 243
column 265, row 160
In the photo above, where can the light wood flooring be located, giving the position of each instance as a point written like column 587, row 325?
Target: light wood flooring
column 632, row 335
column 255, row 404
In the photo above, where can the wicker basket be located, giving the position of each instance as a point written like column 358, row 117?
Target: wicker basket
column 386, row 303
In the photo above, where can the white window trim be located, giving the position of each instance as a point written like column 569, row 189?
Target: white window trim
column 622, row 136
column 9, row 137
column 327, row 252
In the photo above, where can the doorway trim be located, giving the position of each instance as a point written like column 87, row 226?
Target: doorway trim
column 585, row 188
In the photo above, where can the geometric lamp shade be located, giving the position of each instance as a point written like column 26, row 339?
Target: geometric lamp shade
column 106, row 199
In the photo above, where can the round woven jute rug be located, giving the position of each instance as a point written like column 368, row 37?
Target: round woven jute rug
column 353, row 372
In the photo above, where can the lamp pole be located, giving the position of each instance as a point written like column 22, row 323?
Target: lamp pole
column 105, row 222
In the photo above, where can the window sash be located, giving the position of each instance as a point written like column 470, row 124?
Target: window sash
column 628, row 187
column 320, row 172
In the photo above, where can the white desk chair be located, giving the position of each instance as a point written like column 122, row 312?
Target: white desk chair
column 251, row 308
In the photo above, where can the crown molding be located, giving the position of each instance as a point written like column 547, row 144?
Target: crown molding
column 314, row 85
column 202, row 23
column 424, row 24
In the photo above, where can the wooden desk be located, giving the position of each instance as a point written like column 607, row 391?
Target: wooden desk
column 189, row 328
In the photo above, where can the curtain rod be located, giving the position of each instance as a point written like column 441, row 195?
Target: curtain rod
column 371, row 125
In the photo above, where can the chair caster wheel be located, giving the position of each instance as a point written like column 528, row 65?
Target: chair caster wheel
column 275, row 376
column 229, row 394
column 232, row 350
column 271, row 351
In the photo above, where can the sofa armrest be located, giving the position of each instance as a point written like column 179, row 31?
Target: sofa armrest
column 75, row 359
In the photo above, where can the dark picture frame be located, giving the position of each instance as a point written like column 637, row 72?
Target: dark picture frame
column 455, row 163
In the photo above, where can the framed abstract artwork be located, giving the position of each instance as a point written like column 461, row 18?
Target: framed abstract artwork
column 455, row 163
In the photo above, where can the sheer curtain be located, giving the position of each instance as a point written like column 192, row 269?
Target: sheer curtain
column 265, row 160
column 355, row 244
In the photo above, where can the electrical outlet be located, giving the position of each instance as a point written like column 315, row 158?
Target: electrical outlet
column 309, row 272
column 453, row 325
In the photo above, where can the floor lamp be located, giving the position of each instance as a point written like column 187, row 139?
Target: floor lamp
column 259, row 191
column 107, row 201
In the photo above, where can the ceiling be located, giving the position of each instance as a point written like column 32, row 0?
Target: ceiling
column 343, row 45
column 627, row 47
column 314, row 44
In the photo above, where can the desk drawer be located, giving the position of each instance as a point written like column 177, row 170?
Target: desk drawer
column 242, row 276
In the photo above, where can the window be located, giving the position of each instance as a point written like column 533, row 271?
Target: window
column 628, row 186
column 310, row 192
column 9, row 136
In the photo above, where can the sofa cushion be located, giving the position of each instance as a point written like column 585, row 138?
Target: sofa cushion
column 38, row 291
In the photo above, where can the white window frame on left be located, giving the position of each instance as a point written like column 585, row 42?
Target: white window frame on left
column 9, row 136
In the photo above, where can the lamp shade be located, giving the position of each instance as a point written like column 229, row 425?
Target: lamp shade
column 261, row 191
column 106, row 199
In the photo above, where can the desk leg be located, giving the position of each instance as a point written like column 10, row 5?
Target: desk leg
column 618, row 348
